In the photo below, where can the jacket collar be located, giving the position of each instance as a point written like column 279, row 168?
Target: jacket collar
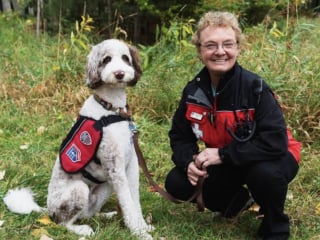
column 203, row 80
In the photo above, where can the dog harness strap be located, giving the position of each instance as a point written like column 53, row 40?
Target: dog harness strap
column 107, row 120
column 88, row 175
column 96, row 160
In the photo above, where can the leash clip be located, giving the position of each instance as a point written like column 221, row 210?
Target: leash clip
column 133, row 127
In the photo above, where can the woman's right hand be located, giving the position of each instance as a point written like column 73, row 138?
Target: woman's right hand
column 194, row 173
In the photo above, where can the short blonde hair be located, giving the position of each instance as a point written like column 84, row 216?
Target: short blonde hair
column 218, row 19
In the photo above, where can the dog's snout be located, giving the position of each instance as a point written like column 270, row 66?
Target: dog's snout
column 119, row 75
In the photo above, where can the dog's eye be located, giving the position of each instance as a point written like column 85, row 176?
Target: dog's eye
column 106, row 60
column 126, row 58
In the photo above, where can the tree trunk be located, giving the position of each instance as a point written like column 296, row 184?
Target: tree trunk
column 109, row 19
column 15, row 5
column 39, row 16
column 136, row 32
column 6, row 6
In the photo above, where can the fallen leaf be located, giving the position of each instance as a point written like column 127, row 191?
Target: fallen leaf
column 24, row 146
column 289, row 196
column 153, row 189
column 45, row 220
column 39, row 232
column 2, row 174
column 45, row 237
column 41, row 130
column 82, row 238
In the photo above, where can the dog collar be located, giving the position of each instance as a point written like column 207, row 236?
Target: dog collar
column 108, row 106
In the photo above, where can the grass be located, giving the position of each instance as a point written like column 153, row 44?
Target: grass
column 41, row 92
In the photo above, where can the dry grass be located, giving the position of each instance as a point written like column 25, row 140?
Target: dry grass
column 41, row 94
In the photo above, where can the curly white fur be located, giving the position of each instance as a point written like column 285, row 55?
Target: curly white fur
column 20, row 200
column 112, row 65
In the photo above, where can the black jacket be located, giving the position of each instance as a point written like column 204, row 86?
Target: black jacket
column 242, row 97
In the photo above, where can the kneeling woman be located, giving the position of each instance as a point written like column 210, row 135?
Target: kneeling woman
column 250, row 154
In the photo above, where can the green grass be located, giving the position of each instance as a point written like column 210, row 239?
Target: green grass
column 41, row 89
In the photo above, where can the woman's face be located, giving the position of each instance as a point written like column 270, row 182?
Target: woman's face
column 218, row 49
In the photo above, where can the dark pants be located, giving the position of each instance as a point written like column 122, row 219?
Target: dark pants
column 267, row 181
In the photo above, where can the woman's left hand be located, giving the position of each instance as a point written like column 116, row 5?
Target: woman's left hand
column 209, row 156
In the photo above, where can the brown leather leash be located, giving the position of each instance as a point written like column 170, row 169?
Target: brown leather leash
column 127, row 114
column 197, row 194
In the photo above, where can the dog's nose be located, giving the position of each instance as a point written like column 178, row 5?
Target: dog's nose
column 119, row 74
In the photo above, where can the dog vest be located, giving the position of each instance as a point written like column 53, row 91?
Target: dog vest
column 81, row 143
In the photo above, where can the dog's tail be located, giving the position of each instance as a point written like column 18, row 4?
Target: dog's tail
column 20, row 200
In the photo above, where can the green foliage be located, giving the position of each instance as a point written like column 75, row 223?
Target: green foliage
column 290, row 69
column 18, row 49
column 145, row 5
column 74, row 50
column 167, row 10
column 172, row 51
column 39, row 99
column 79, row 39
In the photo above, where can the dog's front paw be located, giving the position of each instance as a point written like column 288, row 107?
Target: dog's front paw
column 150, row 228
column 144, row 232
column 146, row 227
column 145, row 236
column 84, row 230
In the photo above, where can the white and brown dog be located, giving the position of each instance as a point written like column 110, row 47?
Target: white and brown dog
column 80, row 193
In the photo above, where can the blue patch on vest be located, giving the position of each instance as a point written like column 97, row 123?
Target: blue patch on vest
column 73, row 153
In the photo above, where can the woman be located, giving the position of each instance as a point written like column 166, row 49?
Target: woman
column 249, row 153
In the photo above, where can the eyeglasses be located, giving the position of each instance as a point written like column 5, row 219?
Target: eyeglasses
column 214, row 46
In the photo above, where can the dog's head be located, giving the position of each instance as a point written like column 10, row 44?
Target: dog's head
column 113, row 62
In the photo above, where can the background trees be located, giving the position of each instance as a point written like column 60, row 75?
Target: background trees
column 138, row 20
column 42, row 87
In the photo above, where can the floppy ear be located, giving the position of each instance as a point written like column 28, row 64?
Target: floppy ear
column 136, row 65
column 93, row 75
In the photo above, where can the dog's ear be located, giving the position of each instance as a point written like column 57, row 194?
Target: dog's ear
column 136, row 65
column 92, row 67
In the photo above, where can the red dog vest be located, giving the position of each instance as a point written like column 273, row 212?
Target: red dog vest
column 80, row 145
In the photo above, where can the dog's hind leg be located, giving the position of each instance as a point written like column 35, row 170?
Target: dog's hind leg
column 67, row 203
column 84, row 229
column 98, row 197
